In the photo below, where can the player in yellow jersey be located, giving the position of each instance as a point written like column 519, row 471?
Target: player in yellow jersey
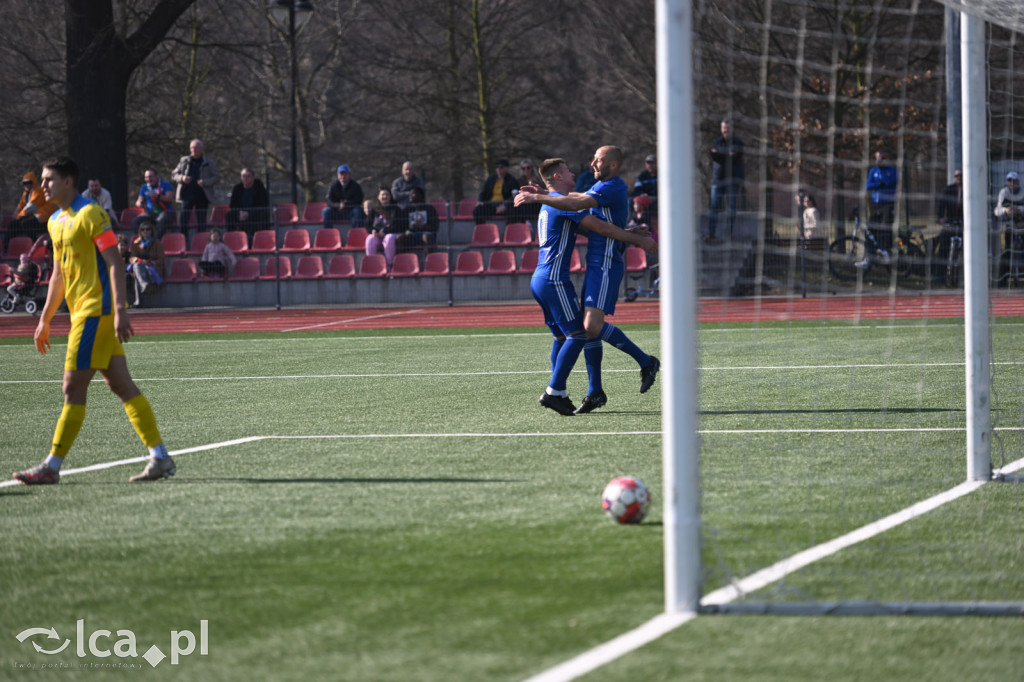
column 88, row 274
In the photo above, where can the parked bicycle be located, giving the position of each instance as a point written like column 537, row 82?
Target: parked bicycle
column 856, row 254
column 955, row 262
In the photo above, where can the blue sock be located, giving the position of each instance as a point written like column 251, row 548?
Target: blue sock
column 593, row 352
column 567, row 356
column 617, row 338
column 556, row 346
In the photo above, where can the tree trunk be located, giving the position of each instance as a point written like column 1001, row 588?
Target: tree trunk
column 99, row 64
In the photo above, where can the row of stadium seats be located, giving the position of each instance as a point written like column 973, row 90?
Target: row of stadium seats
column 499, row 262
column 311, row 214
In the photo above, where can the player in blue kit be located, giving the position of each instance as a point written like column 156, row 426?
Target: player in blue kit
column 552, row 286
column 608, row 200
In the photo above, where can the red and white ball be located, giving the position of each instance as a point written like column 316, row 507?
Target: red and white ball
column 626, row 500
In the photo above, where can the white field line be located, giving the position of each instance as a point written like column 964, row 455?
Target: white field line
column 666, row 622
column 352, row 319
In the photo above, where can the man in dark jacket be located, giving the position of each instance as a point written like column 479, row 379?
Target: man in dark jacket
column 344, row 199
column 250, row 205
column 495, row 198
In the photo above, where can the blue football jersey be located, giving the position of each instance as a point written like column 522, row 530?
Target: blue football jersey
column 556, row 232
column 612, row 207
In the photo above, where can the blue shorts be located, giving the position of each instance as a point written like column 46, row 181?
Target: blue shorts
column 601, row 286
column 560, row 304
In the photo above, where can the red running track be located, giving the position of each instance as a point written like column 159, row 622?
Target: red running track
column 522, row 315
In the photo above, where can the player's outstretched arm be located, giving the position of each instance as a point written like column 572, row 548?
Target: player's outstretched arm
column 574, row 201
column 614, row 232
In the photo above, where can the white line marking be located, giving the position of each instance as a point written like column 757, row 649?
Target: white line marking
column 666, row 622
column 352, row 319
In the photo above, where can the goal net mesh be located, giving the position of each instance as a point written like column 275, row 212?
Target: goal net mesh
column 831, row 355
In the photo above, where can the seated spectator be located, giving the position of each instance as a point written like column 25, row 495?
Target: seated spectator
column 33, row 210
column 420, row 222
column 495, row 197
column 156, row 199
column 385, row 221
column 98, row 193
column 344, row 199
column 25, row 277
column 527, row 213
column 402, row 185
column 647, row 182
column 643, row 217
column 249, row 205
column 147, row 261
column 218, row 260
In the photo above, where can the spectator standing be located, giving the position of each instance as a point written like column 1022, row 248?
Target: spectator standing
column 34, row 209
column 344, row 199
column 951, row 215
column 147, row 260
column 1010, row 211
column 124, row 249
column 249, row 205
column 727, row 178
column 98, row 193
column 402, row 185
column 495, row 196
column 882, row 183
column 218, row 260
column 385, row 221
column 811, row 217
column 420, row 222
column 647, row 182
column 196, row 174
column 156, row 199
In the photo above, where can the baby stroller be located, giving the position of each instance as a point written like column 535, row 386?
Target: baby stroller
column 27, row 297
column 638, row 289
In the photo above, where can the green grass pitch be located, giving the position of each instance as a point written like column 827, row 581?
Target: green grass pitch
column 409, row 512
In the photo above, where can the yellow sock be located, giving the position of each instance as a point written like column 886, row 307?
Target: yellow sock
column 142, row 418
column 68, row 426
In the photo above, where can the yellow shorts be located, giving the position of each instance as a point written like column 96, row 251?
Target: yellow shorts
column 91, row 343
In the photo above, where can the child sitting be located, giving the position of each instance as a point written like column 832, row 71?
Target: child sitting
column 218, row 260
column 25, row 277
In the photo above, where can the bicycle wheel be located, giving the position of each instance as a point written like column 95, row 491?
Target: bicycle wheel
column 910, row 260
column 7, row 304
column 843, row 256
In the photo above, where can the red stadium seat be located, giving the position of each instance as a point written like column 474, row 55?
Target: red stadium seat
column 327, row 241
column 128, row 215
column 529, row 264
column 313, row 214
column 355, row 240
column 183, row 270
column 287, row 214
column 270, row 269
column 465, row 209
column 406, row 265
column 501, row 262
column 246, row 269
column 237, row 241
column 218, row 216
column 18, row 246
column 264, row 241
column 373, row 266
column 342, row 265
column 309, row 267
column 5, row 275
column 517, row 234
column 174, row 243
column 484, row 235
column 469, row 263
column 199, row 242
column 296, row 241
column 441, row 206
column 436, row 264
column 636, row 259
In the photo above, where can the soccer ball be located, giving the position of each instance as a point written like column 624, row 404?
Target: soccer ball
column 626, row 500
